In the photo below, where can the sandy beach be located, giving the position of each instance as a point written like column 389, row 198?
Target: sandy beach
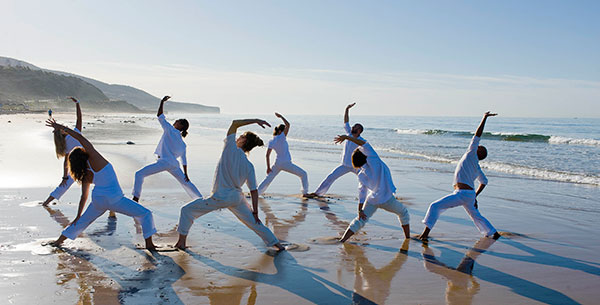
column 548, row 253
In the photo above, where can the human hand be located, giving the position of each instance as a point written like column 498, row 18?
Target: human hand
column 52, row 123
column 166, row 98
column 488, row 114
column 269, row 170
column 187, row 179
column 262, row 123
column 73, row 99
column 278, row 115
column 339, row 139
column 255, row 214
column 476, row 206
column 350, row 106
column 362, row 215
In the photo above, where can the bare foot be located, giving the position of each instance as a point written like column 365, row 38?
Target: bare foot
column 180, row 246
column 496, row 235
column 279, row 247
column 112, row 214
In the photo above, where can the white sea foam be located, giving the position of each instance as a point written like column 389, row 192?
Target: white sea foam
column 411, row 131
column 565, row 140
column 542, row 173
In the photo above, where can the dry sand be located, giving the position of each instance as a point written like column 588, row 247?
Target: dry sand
column 544, row 256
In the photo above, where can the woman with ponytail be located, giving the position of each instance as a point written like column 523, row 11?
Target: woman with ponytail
column 233, row 170
column 284, row 159
column 63, row 144
column 170, row 147
column 87, row 166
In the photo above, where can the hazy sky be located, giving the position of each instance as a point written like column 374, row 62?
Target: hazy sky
column 520, row 58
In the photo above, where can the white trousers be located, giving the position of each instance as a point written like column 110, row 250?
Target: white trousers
column 286, row 167
column 466, row 198
column 60, row 190
column 161, row 166
column 123, row 205
column 392, row 205
column 237, row 205
column 334, row 175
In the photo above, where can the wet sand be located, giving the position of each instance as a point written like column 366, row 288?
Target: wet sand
column 541, row 258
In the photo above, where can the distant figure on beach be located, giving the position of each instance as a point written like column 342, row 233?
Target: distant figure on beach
column 233, row 170
column 284, row 159
column 87, row 166
column 375, row 185
column 349, row 147
column 170, row 147
column 63, row 144
column 467, row 171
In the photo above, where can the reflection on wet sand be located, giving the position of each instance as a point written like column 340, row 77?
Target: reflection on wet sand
column 73, row 268
column 371, row 284
column 462, row 286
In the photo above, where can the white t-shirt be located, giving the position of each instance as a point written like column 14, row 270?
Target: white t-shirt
column 71, row 142
column 468, row 168
column 171, row 145
column 234, row 169
column 280, row 145
column 349, row 146
column 374, row 178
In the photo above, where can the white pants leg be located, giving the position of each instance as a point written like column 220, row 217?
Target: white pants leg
column 334, row 175
column 188, row 186
column 146, row 171
column 287, row 167
column 141, row 214
column 466, row 198
column 275, row 169
column 243, row 212
column 124, row 206
column 238, row 206
column 392, row 205
column 59, row 191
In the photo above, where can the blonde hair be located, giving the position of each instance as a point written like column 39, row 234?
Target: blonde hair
column 60, row 143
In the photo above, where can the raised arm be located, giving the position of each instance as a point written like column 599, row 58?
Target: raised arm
column 346, row 116
column 341, row 138
column 79, row 123
column 287, row 124
column 235, row 124
column 479, row 131
column 162, row 102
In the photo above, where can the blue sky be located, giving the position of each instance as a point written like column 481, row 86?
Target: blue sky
column 520, row 58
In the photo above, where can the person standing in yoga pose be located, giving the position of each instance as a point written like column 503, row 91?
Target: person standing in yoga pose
column 349, row 147
column 467, row 171
column 87, row 166
column 170, row 147
column 233, row 170
column 284, row 159
column 376, row 188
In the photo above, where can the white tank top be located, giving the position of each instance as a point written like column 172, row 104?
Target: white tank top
column 106, row 183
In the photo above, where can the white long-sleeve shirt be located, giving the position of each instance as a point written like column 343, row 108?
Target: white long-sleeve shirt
column 280, row 145
column 349, row 146
column 374, row 178
column 171, row 145
column 234, row 169
column 468, row 168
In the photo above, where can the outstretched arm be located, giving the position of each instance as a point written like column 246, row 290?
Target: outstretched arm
column 162, row 102
column 479, row 131
column 235, row 124
column 287, row 124
column 79, row 116
column 339, row 139
column 346, row 116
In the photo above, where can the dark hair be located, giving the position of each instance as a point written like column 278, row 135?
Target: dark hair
column 78, row 164
column 185, row 125
column 481, row 152
column 361, row 127
column 252, row 140
column 278, row 129
column 358, row 158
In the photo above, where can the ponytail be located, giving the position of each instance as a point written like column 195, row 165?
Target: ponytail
column 185, row 125
column 252, row 140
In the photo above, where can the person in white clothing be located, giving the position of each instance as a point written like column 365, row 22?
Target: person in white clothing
column 87, row 166
column 233, row 170
column 467, row 171
column 284, row 159
column 170, row 147
column 63, row 144
column 376, row 188
column 349, row 147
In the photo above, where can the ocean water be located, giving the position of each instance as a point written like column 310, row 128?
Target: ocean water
column 564, row 149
